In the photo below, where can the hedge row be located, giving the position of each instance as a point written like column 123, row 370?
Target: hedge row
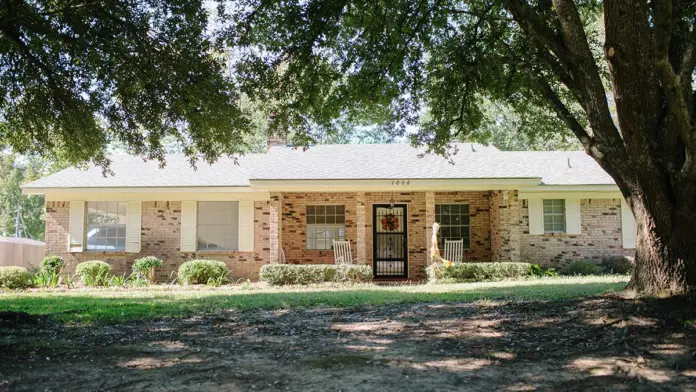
column 288, row 274
column 477, row 272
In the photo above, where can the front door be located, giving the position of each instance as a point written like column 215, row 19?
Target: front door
column 390, row 241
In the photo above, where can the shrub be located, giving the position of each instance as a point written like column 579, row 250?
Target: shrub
column 617, row 265
column 52, row 263
column 93, row 273
column 144, row 268
column 477, row 272
column 285, row 274
column 542, row 272
column 46, row 278
column 203, row 271
column 581, row 267
column 15, row 277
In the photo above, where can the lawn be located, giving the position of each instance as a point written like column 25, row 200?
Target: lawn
column 110, row 305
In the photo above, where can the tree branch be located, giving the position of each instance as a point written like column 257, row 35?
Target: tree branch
column 528, row 21
column 564, row 114
column 671, row 82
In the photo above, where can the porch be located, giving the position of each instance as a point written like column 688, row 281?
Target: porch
column 390, row 231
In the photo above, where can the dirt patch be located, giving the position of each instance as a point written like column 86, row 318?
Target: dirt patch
column 604, row 343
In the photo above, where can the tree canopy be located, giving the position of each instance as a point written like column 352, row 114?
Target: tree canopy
column 617, row 74
column 76, row 76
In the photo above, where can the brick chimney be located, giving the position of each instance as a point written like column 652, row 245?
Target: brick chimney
column 275, row 136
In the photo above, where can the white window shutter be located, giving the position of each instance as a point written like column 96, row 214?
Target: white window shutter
column 133, row 226
column 76, row 228
column 189, row 211
column 629, row 231
column 572, row 208
column 536, row 216
column 246, row 226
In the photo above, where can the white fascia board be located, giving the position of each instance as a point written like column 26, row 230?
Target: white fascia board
column 395, row 185
column 172, row 189
column 176, row 195
column 570, row 191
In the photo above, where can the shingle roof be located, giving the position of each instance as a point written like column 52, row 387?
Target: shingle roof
column 131, row 171
column 344, row 162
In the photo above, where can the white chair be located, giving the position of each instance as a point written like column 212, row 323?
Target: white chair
column 454, row 250
column 342, row 252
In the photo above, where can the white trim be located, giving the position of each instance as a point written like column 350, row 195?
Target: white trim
column 125, row 189
column 629, row 231
column 560, row 194
column 76, row 226
column 68, row 194
column 394, row 185
column 133, row 226
column 573, row 216
column 535, row 209
column 189, row 216
column 245, row 230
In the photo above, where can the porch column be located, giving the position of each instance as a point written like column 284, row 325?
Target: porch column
column 429, row 220
column 360, row 229
column 509, row 222
column 275, row 235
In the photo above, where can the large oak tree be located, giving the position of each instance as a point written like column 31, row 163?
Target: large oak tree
column 77, row 75
column 624, row 87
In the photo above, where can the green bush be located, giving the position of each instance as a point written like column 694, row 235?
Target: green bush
column 144, row 268
column 203, row 271
column 52, row 264
column 541, row 272
column 15, row 277
column 617, row 265
column 581, row 267
column 477, row 272
column 93, row 273
column 287, row 274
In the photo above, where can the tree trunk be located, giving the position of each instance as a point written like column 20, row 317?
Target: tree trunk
column 665, row 252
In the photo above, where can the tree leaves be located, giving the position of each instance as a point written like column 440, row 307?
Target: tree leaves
column 77, row 76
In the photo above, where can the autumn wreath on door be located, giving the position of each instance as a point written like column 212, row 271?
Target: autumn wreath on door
column 390, row 222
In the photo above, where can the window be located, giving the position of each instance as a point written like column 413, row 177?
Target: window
column 454, row 223
column 554, row 216
column 217, row 225
column 106, row 225
column 324, row 225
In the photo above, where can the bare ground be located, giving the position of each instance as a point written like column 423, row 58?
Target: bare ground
column 603, row 343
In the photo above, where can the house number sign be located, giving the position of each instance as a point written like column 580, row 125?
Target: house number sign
column 401, row 182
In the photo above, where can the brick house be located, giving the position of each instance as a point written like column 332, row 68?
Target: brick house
column 287, row 205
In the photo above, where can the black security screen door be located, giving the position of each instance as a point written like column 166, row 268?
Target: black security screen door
column 389, row 231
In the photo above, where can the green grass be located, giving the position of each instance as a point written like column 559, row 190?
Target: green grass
column 111, row 305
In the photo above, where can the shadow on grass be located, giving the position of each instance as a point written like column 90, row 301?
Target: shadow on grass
column 573, row 344
column 114, row 307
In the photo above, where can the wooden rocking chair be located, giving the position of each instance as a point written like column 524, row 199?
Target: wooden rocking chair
column 342, row 252
column 454, row 250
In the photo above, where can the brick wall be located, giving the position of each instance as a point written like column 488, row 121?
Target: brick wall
column 499, row 231
column 600, row 236
column 479, row 214
column 294, row 225
column 161, row 230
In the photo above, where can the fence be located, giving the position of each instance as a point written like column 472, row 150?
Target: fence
column 21, row 252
